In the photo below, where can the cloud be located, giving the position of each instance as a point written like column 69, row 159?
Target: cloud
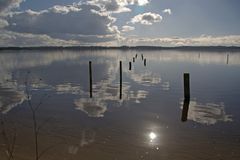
column 8, row 38
column 3, row 23
column 6, row 5
column 111, row 6
column 71, row 19
column 231, row 40
column 147, row 18
column 169, row 11
column 127, row 28
column 117, row 6
column 77, row 22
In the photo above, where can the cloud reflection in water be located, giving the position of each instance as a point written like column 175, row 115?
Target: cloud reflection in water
column 92, row 107
column 87, row 138
column 11, row 94
column 208, row 113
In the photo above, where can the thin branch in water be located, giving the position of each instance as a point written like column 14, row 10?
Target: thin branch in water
column 9, row 142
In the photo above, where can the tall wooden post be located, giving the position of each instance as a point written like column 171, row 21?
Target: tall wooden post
column 120, row 79
column 186, row 78
column 90, row 78
column 227, row 58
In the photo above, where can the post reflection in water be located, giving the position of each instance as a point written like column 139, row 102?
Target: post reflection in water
column 186, row 79
column 185, row 110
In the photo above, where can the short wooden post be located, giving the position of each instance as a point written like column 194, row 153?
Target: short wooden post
column 142, row 56
column 186, row 78
column 136, row 56
column 145, row 61
column 130, row 66
column 90, row 78
column 133, row 59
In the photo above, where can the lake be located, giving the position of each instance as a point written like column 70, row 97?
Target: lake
column 47, row 108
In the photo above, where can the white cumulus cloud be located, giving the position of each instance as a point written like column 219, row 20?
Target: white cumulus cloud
column 127, row 28
column 147, row 18
column 117, row 6
column 168, row 11
column 3, row 23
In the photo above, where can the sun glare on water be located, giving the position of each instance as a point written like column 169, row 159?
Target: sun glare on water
column 152, row 136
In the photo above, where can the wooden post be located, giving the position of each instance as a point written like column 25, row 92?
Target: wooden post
column 120, row 80
column 186, row 78
column 227, row 58
column 90, row 78
column 142, row 56
column 145, row 61
column 130, row 66
column 185, row 110
column 136, row 56
column 133, row 59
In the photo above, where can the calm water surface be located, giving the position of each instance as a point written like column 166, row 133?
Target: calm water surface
column 145, row 123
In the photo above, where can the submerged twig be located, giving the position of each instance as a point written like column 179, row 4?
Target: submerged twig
column 34, row 109
column 8, row 140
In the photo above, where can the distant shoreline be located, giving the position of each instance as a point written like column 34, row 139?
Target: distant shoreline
column 184, row 48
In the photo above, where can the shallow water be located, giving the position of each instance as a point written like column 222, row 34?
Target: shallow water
column 144, row 122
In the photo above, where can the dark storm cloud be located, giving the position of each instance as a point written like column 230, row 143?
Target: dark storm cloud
column 8, row 4
column 72, row 19
column 71, row 22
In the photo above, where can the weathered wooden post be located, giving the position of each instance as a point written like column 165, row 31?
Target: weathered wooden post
column 130, row 66
column 186, row 78
column 142, row 56
column 136, row 56
column 90, row 78
column 145, row 61
column 120, row 80
column 133, row 59
column 227, row 58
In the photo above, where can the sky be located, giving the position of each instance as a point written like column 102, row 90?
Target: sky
column 119, row 22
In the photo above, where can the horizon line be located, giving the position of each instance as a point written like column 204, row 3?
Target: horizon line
column 123, row 47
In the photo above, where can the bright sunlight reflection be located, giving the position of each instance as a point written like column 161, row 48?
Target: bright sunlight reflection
column 152, row 136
